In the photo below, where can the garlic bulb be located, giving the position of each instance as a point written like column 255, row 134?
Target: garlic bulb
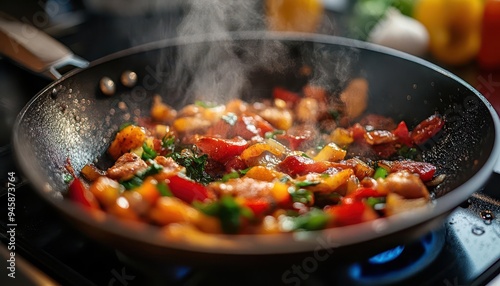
column 400, row 32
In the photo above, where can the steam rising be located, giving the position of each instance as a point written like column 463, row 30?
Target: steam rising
column 213, row 70
column 218, row 70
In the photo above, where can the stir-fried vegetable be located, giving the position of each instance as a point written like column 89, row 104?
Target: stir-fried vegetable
column 246, row 169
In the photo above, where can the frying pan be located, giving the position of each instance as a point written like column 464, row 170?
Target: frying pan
column 71, row 118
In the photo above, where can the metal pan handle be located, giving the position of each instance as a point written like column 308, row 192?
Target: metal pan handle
column 35, row 50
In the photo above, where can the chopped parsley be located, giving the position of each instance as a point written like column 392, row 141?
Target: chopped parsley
column 195, row 165
column 272, row 134
column 137, row 180
column 168, row 143
column 228, row 211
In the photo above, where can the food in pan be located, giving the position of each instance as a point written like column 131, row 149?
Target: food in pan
column 295, row 162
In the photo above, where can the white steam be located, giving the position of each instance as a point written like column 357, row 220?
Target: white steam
column 213, row 70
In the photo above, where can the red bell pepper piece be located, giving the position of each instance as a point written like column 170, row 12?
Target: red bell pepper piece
column 293, row 141
column 187, row 190
column 285, row 95
column 259, row 206
column 347, row 214
column 245, row 126
column 360, row 194
column 221, row 150
column 426, row 129
column 235, row 164
column 424, row 170
column 403, row 134
column 300, row 165
column 79, row 193
column 358, row 131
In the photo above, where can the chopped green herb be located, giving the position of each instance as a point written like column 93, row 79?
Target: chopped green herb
column 301, row 196
column 132, row 183
column 305, row 155
column 205, row 104
column 272, row 134
column 232, row 175
column 211, row 209
column 67, row 178
column 164, row 190
column 195, row 166
column 148, row 153
column 380, row 173
column 168, row 143
column 244, row 171
column 372, row 201
column 137, row 180
column 334, row 114
column 315, row 219
column 126, row 124
column 407, row 152
column 230, row 118
column 152, row 169
column 303, row 184
column 228, row 211
column 285, row 179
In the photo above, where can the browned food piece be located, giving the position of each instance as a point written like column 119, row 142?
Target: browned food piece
column 377, row 122
column 355, row 97
column 405, row 184
column 307, row 110
column 168, row 210
column 170, row 167
column 279, row 117
column 126, row 167
column 361, row 169
column 396, row 204
column 162, row 112
column 328, row 183
column 243, row 187
column 128, row 138
column 106, row 190
column 91, row 172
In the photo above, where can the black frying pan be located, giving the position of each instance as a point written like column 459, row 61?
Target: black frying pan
column 72, row 119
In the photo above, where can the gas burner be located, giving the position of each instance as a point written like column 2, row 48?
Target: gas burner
column 154, row 273
column 400, row 262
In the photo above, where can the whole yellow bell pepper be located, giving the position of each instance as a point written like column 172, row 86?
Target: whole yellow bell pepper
column 294, row 15
column 454, row 28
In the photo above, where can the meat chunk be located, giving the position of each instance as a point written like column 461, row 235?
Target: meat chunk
column 170, row 167
column 243, row 187
column 126, row 167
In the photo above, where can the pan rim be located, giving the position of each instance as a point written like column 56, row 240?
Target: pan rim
column 282, row 243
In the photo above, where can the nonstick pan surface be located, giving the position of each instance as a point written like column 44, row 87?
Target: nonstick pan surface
column 71, row 119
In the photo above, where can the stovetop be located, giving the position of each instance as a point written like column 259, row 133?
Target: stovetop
column 466, row 251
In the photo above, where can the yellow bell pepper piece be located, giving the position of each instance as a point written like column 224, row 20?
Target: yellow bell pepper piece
column 331, row 152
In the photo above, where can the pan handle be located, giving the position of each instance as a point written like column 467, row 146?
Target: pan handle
column 35, row 50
